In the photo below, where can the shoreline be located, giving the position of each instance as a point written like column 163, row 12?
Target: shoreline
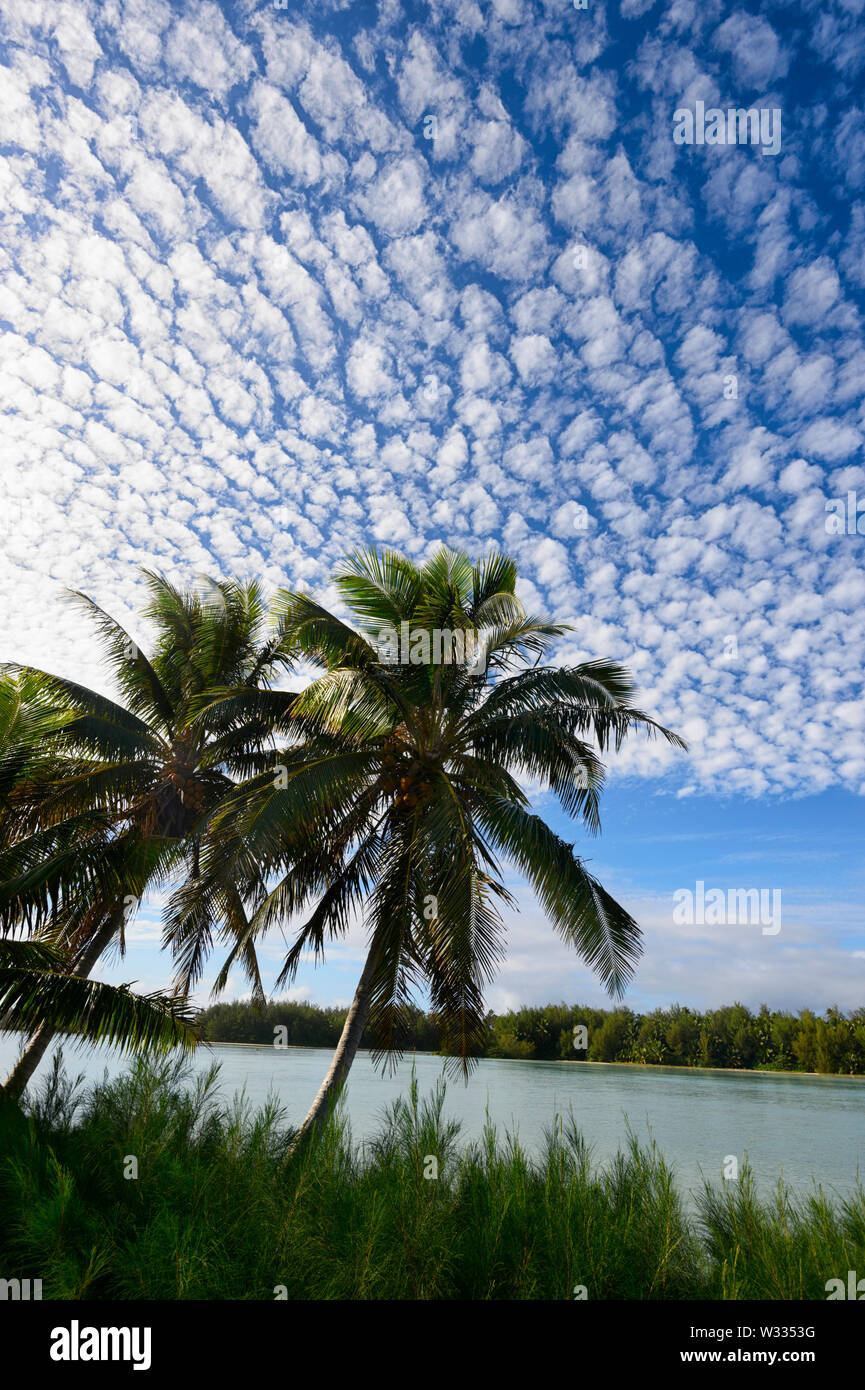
column 567, row 1061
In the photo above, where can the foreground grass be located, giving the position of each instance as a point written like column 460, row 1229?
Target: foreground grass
column 221, row 1210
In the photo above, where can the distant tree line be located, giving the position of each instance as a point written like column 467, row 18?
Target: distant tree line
column 731, row 1036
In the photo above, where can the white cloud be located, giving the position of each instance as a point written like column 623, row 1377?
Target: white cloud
column 757, row 55
column 251, row 318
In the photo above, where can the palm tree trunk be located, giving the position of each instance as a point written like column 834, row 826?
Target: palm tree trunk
column 345, row 1052
column 16, row 1082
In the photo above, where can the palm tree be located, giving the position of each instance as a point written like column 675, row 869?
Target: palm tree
column 400, row 797
column 102, row 801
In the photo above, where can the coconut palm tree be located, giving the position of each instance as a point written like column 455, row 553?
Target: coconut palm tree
column 400, row 796
column 101, row 800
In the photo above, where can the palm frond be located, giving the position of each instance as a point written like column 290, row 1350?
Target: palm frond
column 35, row 989
column 581, row 910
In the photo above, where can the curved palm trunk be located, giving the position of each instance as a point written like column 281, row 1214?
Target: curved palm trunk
column 345, row 1052
column 16, row 1082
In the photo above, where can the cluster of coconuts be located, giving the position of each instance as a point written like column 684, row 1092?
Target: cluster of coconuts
column 191, row 791
column 406, row 779
column 193, row 797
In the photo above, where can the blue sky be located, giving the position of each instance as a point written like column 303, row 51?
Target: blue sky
column 279, row 282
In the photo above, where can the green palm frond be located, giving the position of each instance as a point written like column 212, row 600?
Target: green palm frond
column 142, row 689
column 382, row 588
column 83, row 717
column 35, row 989
column 493, row 576
column 581, row 910
column 318, row 635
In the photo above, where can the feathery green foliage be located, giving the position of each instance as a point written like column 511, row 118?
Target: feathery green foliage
column 221, row 1209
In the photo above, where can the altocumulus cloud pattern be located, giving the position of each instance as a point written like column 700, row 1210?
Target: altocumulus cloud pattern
column 280, row 281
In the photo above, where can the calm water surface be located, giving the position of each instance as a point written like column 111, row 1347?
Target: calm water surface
column 802, row 1127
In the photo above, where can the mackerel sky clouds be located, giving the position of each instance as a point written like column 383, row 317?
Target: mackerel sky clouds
column 275, row 282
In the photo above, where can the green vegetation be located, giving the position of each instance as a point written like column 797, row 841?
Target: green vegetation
column 222, row 1209
column 36, row 984
column 400, row 800
column 676, row 1037
column 43, row 979
column 388, row 788
column 102, row 800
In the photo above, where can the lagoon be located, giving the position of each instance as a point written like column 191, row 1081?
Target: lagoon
column 804, row 1128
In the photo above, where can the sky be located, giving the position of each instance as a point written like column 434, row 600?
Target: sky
column 280, row 281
